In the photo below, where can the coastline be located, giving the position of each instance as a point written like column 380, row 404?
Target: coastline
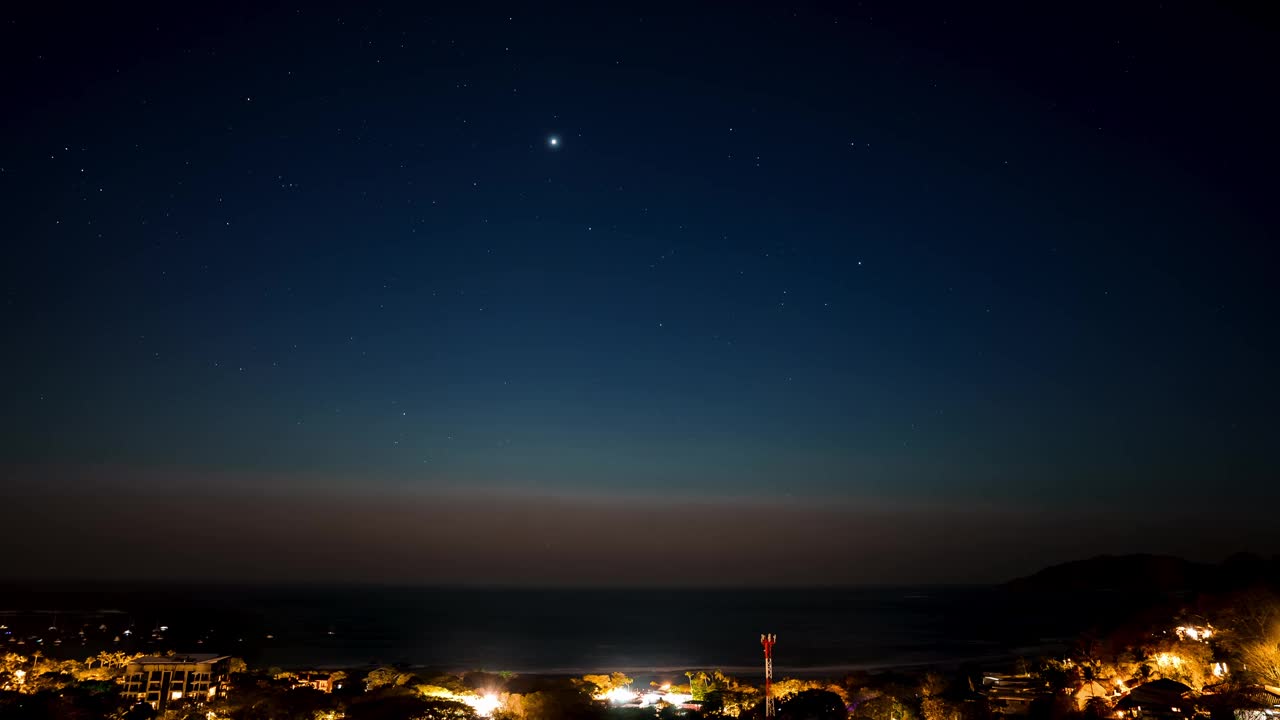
column 807, row 672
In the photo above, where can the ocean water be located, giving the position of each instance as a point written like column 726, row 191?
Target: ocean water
column 630, row 630
column 645, row 632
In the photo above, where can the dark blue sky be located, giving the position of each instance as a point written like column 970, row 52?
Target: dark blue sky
column 917, row 259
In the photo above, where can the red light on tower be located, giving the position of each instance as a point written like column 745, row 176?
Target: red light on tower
column 767, row 641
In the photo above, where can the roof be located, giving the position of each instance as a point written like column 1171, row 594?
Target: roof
column 1094, row 689
column 1156, row 692
column 186, row 659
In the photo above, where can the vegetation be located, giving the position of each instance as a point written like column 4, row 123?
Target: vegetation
column 1227, row 653
column 1261, row 660
column 603, row 685
column 814, row 704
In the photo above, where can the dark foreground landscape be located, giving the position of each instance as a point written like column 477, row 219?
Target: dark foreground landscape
column 1098, row 638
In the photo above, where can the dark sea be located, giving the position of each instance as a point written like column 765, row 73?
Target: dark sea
column 821, row 631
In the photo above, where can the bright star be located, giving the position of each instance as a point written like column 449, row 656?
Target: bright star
column 553, row 141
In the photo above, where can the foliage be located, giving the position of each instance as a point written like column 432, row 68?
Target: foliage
column 598, row 685
column 682, row 689
column 1261, row 660
column 140, row 711
column 937, row 708
column 262, row 700
column 733, row 702
column 932, row 685
column 387, row 677
column 700, row 684
column 814, row 704
column 933, row 704
column 1060, row 674
column 723, row 694
column 36, row 673
column 1249, row 617
column 397, row 704
column 446, row 710
column 434, row 691
column 550, row 704
column 787, row 687
column 884, row 707
column 444, row 682
column 1096, row 708
column 1190, row 663
column 82, row 701
column 703, row 686
column 1125, row 667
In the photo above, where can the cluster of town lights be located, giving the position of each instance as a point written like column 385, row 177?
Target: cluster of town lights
column 627, row 696
column 1193, row 632
column 483, row 705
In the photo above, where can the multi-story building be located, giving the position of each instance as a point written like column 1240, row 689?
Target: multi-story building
column 160, row 679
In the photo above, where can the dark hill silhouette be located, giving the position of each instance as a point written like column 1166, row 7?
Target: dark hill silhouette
column 1153, row 574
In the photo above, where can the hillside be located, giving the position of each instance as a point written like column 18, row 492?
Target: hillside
column 1152, row 574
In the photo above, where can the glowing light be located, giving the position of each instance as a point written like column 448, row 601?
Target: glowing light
column 621, row 696
column 553, row 142
column 175, row 695
column 484, row 705
column 1193, row 632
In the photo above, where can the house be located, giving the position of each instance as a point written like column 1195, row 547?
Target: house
column 1095, row 690
column 1157, row 699
column 325, row 682
column 1260, row 702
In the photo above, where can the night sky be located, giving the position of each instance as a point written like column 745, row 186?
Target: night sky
column 757, row 294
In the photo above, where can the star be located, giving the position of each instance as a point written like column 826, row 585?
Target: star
column 553, row 142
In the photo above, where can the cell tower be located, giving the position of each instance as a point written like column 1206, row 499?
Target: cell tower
column 767, row 641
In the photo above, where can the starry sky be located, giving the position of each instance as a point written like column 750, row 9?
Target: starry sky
column 813, row 293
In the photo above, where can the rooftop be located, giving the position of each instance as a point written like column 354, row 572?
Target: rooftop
column 186, row 659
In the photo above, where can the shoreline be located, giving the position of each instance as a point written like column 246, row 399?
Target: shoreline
column 653, row 671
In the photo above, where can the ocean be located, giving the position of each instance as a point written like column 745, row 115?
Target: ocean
column 821, row 631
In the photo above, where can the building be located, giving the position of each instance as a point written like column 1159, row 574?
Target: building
column 160, row 679
column 1094, row 690
column 1012, row 694
column 325, row 682
column 1163, row 699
